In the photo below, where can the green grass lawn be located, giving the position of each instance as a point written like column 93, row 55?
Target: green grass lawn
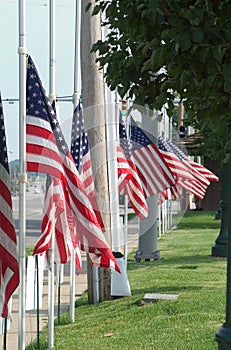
column 190, row 322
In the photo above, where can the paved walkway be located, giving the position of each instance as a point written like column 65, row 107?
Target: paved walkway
column 81, row 287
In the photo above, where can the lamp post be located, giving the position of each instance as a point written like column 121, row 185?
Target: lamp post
column 220, row 246
column 223, row 335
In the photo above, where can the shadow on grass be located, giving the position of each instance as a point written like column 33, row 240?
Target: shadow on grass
column 199, row 220
column 197, row 225
column 183, row 262
column 172, row 289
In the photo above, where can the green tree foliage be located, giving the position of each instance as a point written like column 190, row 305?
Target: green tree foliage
column 157, row 48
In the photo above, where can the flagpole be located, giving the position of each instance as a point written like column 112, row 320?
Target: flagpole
column 51, row 251
column 52, row 61
column 5, row 333
column 112, row 138
column 75, row 102
column 77, row 52
column 125, row 230
column 112, row 132
column 37, row 299
column 125, row 221
column 22, row 170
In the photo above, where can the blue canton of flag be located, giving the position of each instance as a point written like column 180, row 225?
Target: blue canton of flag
column 79, row 139
column 81, row 153
column 124, row 143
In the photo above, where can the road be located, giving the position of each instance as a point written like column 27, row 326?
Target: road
column 34, row 210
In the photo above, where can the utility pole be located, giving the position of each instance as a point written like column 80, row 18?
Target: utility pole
column 93, row 96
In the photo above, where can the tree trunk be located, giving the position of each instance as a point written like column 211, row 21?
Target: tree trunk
column 93, row 96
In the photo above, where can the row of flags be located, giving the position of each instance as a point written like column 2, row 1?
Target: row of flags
column 71, row 214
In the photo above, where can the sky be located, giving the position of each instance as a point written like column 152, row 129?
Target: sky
column 37, row 45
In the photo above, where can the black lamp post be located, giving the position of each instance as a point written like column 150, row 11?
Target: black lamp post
column 223, row 335
column 220, row 246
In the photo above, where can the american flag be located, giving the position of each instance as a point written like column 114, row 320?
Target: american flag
column 9, row 269
column 81, row 154
column 58, row 222
column 171, row 193
column 196, row 167
column 186, row 177
column 47, row 152
column 179, row 170
column 153, row 171
column 133, row 187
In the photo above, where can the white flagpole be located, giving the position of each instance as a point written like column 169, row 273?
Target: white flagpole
column 125, row 228
column 112, row 132
column 77, row 52
column 22, row 169
column 52, row 97
column 52, row 51
column 75, row 101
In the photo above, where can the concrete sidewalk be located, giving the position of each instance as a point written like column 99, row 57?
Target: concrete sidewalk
column 80, row 287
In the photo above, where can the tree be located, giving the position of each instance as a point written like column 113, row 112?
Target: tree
column 155, row 49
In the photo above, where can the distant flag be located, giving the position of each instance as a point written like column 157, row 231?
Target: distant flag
column 200, row 179
column 47, row 152
column 171, row 193
column 153, row 171
column 176, row 191
column 179, row 170
column 133, row 187
column 165, row 195
column 194, row 166
column 9, row 268
column 186, row 177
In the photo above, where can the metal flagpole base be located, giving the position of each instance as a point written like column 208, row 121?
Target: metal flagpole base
column 223, row 337
column 153, row 255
